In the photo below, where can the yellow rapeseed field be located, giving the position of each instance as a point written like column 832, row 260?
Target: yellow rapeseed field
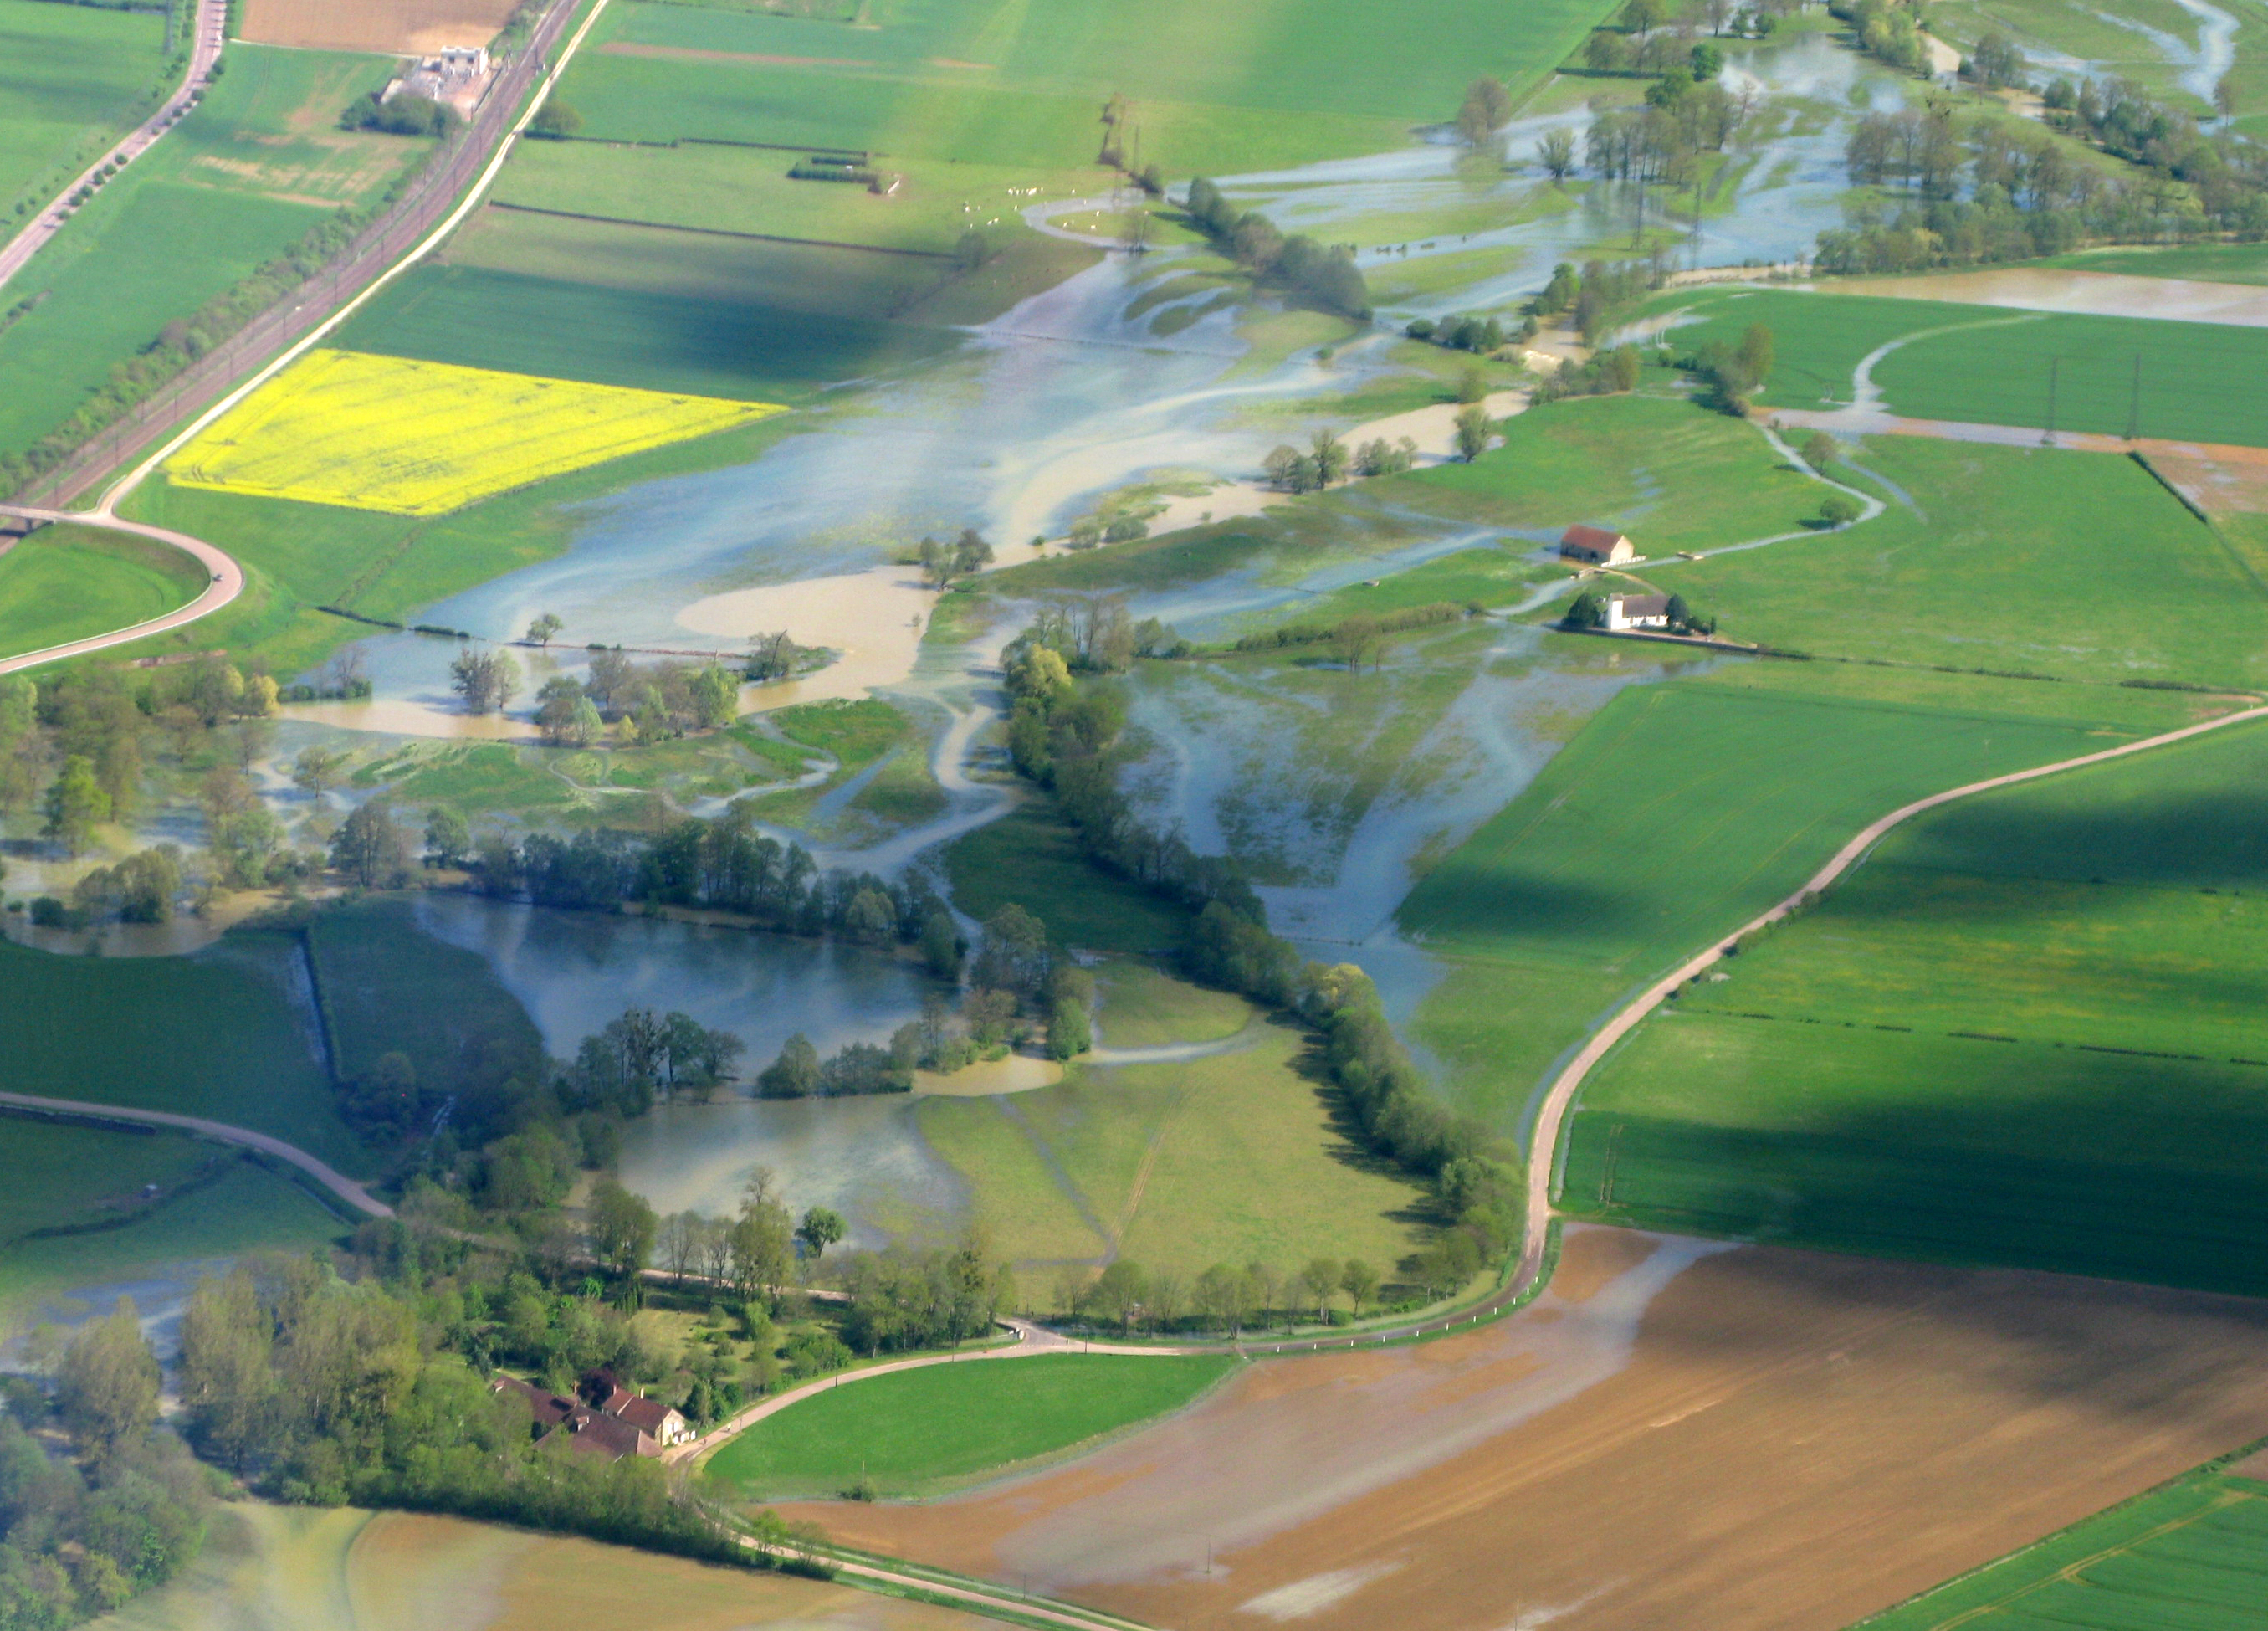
column 418, row 438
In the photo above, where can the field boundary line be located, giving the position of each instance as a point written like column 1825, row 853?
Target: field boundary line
column 1559, row 1097
column 717, row 231
column 332, row 1179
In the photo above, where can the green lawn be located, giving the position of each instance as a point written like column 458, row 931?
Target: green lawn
column 2076, row 564
column 2186, row 1557
column 1992, row 365
column 1681, row 810
column 219, row 1034
column 64, row 583
column 1143, row 1006
column 2029, row 1031
column 982, row 82
column 70, row 76
column 238, row 182
column 918, row 1432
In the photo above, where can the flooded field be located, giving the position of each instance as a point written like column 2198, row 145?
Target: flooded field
column 300, row 1569
column 2101, row 294
column 1673, row 1434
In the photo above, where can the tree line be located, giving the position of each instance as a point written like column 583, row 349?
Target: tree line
column 1064, row 735
column 1308, row 271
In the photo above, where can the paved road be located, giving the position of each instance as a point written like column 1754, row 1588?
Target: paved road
column 204, row 51
column 225, row 581
column 344, row 1187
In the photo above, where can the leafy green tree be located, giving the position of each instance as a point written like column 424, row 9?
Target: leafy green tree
column 558, row 121
column 1818, row 450
column 1069, row 1032
column 1331, row 457
column 970, row 552
column 1708, row 62
column 1486, row 108
column 820, row 1228
column 1838, row 509
column 75, row 805
column 1321, row 1277
column 1474, row 432
column 1556, row 154
column 546, row 627
column 369, row 848
column 1757, row 354
column 794, row 1074
column 317, row 770
column 1359, row 1281
column 622, row 1227
column 227, row 1381
column 1643, row 16
column 448, row 837
column 1588, row 612
column 1118, row 1292
column 107, row 1387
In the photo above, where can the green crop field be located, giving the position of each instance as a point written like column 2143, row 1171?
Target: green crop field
column 1230, row 1157
column 238, row 182
column 2040, row 560
column 2029, row 1030
column 1991, row 366
column 655, row 340
column 2188, row 1556
column 918, row 1432
column 2073, row 29
column 983, row 82
column 215, row 1202
column 70, row 78
column 64, row 583
column 1681, row 810
column 220, row 1034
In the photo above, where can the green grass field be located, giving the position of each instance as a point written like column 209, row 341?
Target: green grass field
column 218, row 1202
column 2071, row 28
column 2186, row 1557
column 240, row 181
column 2212, row 263
column 2028, row 1030
column 983, row 82
column 1681, row 810
column 1034, row 859
column 1671, row 475
column 920, row 1432
column 219, row 1034
column 2038, row 560
column 70, row 78
column 1226, row 1158
column 1995, row 367
column 64, row 583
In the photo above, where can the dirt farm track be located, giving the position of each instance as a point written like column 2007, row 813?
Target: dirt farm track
column 1676, row 1434
column 396, row 26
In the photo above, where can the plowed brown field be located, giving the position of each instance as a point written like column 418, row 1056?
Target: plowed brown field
column 1676, row 1434
column 396, row 25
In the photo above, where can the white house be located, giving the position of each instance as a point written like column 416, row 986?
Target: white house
column 1595, row 546
column 1638, row 611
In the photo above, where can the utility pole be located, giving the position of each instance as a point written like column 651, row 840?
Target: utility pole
column 2134, row 403
column 2055, row 365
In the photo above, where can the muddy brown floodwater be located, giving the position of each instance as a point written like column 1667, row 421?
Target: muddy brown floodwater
column 2102, row 294
column 1676, row 1434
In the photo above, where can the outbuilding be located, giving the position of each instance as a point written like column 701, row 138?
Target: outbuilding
column 1595, row 546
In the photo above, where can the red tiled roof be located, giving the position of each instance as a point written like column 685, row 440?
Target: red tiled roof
column 1582, row 537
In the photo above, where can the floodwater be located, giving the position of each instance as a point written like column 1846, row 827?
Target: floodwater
column 2101, row 294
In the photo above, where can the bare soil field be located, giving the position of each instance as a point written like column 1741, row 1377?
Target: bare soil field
column 1678, row 1433
column 401, row 27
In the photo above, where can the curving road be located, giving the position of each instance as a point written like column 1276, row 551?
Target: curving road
column 225, row 582
column 344, row 1187
column 204, row 50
